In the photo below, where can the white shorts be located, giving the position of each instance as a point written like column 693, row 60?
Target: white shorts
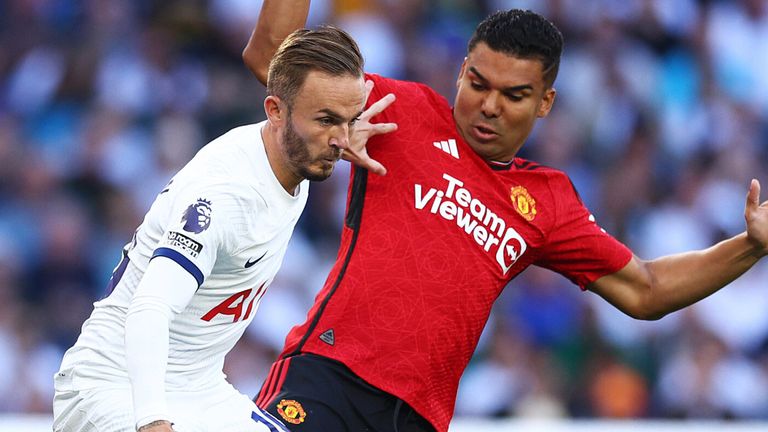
column 109, row 409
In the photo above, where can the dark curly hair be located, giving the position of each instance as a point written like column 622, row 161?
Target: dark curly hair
column 523, row 34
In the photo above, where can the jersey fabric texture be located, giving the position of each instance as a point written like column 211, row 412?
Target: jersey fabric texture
column 224, row 218
column 427, row 249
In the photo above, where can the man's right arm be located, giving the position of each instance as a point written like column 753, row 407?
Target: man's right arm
column 164, row 291
column 278, row 19
column 652, row 289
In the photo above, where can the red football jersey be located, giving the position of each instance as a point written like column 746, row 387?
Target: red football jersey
column 427, row 249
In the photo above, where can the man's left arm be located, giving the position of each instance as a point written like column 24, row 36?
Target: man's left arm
column 651, row 289
column 277, row 19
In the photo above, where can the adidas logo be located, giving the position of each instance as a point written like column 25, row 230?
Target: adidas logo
column 448, row 147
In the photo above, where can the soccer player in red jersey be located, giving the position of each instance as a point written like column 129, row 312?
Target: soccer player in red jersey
column 427, row 248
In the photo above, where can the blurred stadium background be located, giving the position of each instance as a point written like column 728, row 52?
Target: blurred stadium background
column 661, row 121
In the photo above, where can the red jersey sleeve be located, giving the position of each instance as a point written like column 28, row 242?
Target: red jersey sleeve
column 410, row 96
column 576, row 246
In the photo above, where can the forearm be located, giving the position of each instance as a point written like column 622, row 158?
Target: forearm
column 651, row 289
column 165, row 290
column 278, row 19
column 683, row 279
column 146, row 348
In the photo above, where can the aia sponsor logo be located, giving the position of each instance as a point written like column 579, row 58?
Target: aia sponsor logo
column 239, row 305
column 489, row 231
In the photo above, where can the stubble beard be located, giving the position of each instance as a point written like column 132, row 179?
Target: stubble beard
column 299, row 158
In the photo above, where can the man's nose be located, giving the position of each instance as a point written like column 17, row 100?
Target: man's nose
column 340, row 137
column 491, row 107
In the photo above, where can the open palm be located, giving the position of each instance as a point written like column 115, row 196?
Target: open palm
column 357, row 152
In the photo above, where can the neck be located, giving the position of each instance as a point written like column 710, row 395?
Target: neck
column 271, row 137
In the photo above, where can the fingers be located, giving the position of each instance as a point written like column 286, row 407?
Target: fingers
column 374, row 166
column 364, row 161
column 756, row 186
column 383, row 128
column 753, row 196
column 379, row 106
column 368, row 90
column 753, row 200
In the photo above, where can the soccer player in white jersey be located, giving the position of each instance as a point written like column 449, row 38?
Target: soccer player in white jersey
column 150, row 356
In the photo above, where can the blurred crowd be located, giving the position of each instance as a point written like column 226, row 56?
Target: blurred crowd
column 661, row 120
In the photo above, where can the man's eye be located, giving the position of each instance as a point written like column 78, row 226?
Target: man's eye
column 477, row 86
column 326, row 121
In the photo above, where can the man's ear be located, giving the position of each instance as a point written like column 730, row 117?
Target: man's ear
column 276, row 110
column 546, row 102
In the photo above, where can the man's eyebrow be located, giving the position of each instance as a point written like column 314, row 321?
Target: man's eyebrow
column 506, row 89
column 336, row 116
column 329, row 112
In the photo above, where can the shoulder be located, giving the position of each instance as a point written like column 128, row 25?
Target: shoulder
column 556, row 181
column 544, row 171
column 247, row 131
column 219, row 197
column 231, row 143
column 229, row 162
column 406, row 91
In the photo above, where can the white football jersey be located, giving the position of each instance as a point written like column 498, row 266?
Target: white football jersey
column 227, row 220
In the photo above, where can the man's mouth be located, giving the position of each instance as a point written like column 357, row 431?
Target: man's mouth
column 483, row 132
column 334, row 157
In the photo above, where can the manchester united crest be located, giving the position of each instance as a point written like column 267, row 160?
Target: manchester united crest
column 291, row 411
column 523, row 202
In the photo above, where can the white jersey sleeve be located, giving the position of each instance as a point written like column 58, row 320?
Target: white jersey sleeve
column 200, row 228
column 164, row 291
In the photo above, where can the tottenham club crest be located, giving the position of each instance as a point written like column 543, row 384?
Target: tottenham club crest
column 197, row 217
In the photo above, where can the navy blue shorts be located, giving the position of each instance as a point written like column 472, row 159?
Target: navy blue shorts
column 314, row 393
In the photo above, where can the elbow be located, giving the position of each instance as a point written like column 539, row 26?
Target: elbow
column 250, row 58
column 647, row 306
column 649, row 302
column 247, row 56
column 648, row 315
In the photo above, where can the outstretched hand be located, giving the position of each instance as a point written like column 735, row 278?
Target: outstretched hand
column 756, row 215
column 357, row 152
